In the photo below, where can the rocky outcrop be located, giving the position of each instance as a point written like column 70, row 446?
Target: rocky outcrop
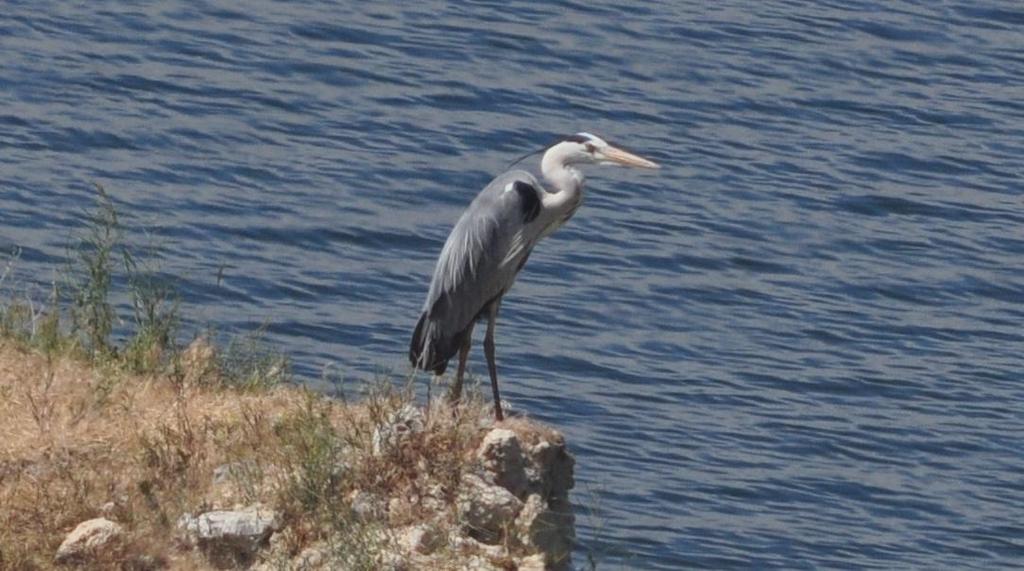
column 378, row 483
column 511, row 509
column 518, row 495
column 90, row 538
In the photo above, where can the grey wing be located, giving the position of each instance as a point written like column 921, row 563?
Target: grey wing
column 479, row 262
column 481, row 256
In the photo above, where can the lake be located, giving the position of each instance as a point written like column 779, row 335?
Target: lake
column 797, row 345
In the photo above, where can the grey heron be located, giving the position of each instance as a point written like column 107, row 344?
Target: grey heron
column 490, row 244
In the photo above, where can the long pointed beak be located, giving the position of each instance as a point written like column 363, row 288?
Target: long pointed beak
column 618, row 156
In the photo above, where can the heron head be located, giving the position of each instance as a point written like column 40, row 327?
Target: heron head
column 586, row 148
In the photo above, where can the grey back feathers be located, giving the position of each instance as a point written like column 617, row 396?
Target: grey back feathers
column 477, row 265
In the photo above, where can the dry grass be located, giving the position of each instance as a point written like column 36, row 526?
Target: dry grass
column 80, row 440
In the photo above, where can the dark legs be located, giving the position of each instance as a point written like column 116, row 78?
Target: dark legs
column 456, row 392
column 492, row 317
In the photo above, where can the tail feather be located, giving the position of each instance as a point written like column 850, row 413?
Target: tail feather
column 430, row 350
column 419, row 351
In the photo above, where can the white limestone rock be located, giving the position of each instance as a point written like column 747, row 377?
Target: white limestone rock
column 89, row 538
column 231, row 537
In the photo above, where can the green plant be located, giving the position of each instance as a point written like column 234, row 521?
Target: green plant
column 316, row 455
column 317, row 474
column 155, row 309
column 79, row 312
column 46, row 331
column 15, row 316
column 248, row 363
column 91, row 275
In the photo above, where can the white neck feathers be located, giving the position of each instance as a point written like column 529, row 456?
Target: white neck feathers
column 554, row 165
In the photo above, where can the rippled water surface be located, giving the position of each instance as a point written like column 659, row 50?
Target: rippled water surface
column 797, row 345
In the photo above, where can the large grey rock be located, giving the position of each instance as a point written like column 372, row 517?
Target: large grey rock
column 486, row 509
column 231, row 537
column 501, row 455
column 550, row 469
column 548, row 528
column 88, row 539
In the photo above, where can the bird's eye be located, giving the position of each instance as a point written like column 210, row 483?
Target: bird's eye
column 590, row 148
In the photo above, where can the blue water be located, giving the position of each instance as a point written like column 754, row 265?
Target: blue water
column 798, row 345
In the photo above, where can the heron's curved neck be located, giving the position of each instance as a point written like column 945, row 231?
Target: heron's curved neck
column 555, row 168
